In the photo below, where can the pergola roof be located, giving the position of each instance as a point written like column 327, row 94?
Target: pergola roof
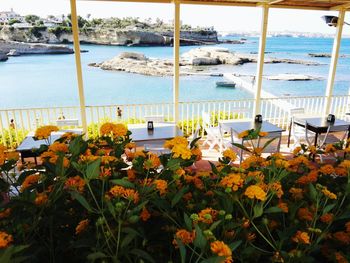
column 297, row 4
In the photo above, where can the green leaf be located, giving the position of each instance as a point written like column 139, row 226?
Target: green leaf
column 123, row 182
column 214, row 225
column 240, row 146
column 213, row 260
column 268, row 142
column 127, row 239
column 328, row 208
column 173, row 164
column 96, row 255
column 179, row 195
column 213, row 168
column 81, row 199
column 182, row 250
column 235, row 245
column 273, row 209
column 142, row 254
column 313, row 192
column 93, row 169
column 193, row 142
column 258, row 210
column 200, row 240
column 188, row 222
column 8, row 255
column 77, row 146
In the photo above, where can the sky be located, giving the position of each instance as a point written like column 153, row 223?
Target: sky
column 223, row 18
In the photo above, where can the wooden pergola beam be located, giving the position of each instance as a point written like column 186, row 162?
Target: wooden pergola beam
column 176, row 58
column 339, row 7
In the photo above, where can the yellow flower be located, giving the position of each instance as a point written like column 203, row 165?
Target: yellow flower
column 81, row 227
column 296, row 150
column 230, row 154
column 301, row 237
column 112, row 129
column 277, row 188
column 243, row 134
column 178, row 140
column 255, row 191
column 180, row 150
column 329, row 148
column 45, row 131
column 328, row 193
column 345, row 164
column 5, row 239
column 233, row 181
column 152, row 161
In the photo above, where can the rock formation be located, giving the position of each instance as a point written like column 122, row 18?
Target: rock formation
column 20, row 48
column 3, row 57
column 292, row 77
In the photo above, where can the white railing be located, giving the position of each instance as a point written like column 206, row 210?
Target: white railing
column 275, row 110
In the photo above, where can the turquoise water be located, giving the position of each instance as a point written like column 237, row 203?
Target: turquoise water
column 50, row 80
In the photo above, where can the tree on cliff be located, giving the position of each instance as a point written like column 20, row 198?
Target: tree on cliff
column 31, row 18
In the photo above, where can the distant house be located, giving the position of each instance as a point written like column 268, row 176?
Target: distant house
column 7, row 16
column 22, row 25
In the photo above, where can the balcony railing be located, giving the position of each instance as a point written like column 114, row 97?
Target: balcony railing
column 275, row 110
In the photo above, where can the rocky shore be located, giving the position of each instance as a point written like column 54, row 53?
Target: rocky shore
column 292, row 77
column 108, row 36
column 190, row 61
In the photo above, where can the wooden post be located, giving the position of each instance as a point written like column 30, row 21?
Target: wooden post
column 176, row 45
column 261, row 58
column 334, row 62
column 75, row 29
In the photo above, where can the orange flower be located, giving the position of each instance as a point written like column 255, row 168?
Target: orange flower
column 347, row 226
column 340, row 258
column 221, row 249
column 81, row 227
column 145, row 215
column 258, row 151
column 311, row 177
column 207, row 215
column 305, row 214
column 301, row 237
column 230, row 154
column 255, row 191
column 243, row 134
column 263, row 134
column 342, row 237
column 161, row 186
column 178, row 140
column 29, row 181
column 329, row 148
column 345, row 164
column 131, row 195
column 75, row 183
column 58, row 147
column 327, row 169
column 296, row 150
column 5, row 239
column 184, row 236
column 197, row 152
column 152, row 161
column 327, row 218
column 41, row 199
column 283, row 206
column 5, row 213
column 105, row 172
column 258, row 175
column 341, row 171
column 130, row 145
column 277, row 188
column 131, row 174
column 45, row 131
column 233, row 181
column 297, row 193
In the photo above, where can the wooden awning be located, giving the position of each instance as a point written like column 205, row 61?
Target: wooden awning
column 291, row 4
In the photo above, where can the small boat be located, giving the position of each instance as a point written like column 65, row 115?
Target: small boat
column 229, row 84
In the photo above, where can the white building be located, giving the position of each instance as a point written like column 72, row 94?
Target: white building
column 6, row 16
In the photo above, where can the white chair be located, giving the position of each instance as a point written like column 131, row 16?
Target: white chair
column 214, row 134
column 299, row 134
column 195, row 135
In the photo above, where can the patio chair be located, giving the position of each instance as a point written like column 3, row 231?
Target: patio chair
column 301, row 134
column 195, row 134
column 214, row 134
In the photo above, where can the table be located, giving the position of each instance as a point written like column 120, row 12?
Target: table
column 237, row 127
column 159, row 134
column 319, row 125
column 29, row 145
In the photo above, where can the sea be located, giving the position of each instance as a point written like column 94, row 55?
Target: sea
column 50, row 80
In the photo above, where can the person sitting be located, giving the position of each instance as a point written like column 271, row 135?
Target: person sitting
column 12, row 124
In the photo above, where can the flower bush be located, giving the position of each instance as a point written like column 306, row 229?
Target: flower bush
column 103, row 200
